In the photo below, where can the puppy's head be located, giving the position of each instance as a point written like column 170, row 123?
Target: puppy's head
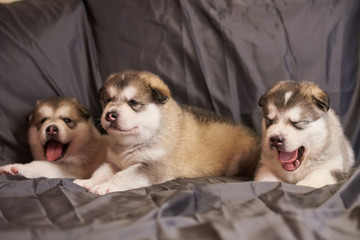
column 293, row 121
column 134, row 102
column 57, row 128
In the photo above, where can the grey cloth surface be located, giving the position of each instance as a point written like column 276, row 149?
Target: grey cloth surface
column 203, row 208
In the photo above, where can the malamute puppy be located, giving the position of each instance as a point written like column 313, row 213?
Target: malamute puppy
column 63, row 141
column 154, row 140
column 303, row 141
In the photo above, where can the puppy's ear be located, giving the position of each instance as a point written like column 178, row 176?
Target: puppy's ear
column 101, row 93
column 160, row 95
column 262, row 100
column 321, row 99
column 74, row 100
column 29, row 117
column 84, row 112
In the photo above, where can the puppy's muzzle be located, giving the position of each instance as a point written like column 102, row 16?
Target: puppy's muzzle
column 277, row 142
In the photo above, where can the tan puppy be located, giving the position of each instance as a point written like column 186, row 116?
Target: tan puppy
column 63, row 141
column 154, row 140
column 303, row 142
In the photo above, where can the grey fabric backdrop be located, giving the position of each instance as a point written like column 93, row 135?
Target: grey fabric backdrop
column 221, row 55
column 46, row 49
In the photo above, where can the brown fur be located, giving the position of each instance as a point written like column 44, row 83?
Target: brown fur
column 86, row 148
column 209, row 147
column 196, row 147
column 299, row 114
column 189, row 142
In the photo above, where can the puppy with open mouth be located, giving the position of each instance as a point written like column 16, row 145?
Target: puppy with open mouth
column 63, row 141
column 303, row 141
column 153, row 139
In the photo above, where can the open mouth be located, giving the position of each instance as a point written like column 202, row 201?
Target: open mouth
column 54, row 150
column 291, row 160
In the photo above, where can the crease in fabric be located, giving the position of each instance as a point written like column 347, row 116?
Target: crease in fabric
column 289, row 55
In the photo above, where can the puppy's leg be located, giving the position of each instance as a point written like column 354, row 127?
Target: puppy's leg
column 104, row 172
column 265, row 175
column 35, row 169
column 129, row 178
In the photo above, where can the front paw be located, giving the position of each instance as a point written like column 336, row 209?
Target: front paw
column 313, row 184
column 12, row 169
column 85, row 183
column 104, row 188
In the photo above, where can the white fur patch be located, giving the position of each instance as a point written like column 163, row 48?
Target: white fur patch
column 264, row 174
column 294, row 114
column 272, row 111
column 149, row 121
column 112, row 91
column 46, row 111
column 63, row 111
column 102, row 174
column 120, row 181
column 287, row 96
column 36, row 169
column 155, row 153
column 129, row 92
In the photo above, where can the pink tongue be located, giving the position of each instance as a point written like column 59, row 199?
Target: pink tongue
column 53, row 150
column 289, row 160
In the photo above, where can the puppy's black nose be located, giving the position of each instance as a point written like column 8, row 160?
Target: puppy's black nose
column 111, row 116
column 277, row 141
column 52, row 130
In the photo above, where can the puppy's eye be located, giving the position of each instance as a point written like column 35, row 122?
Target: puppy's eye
column 268, row 122
column 42, row 120
column 133, row 103
column 298, row 124
column 108, row 100
column 67, row 120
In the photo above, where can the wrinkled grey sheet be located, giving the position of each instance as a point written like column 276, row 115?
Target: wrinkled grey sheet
column 46, row 49
column 205, row 208
column 223, row 55
column 220, row 55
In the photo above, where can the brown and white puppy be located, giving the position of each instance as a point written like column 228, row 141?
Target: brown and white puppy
column 63, row 141
column 303, row 141
column 154, row 140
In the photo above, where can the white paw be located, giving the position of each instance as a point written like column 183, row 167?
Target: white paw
column 264, row 175
column 309, row 183
column 104, row 188
column 85, row 183
column 12, row 169
column 19, row 169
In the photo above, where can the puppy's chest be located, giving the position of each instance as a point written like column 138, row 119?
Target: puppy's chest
column 130, row 156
